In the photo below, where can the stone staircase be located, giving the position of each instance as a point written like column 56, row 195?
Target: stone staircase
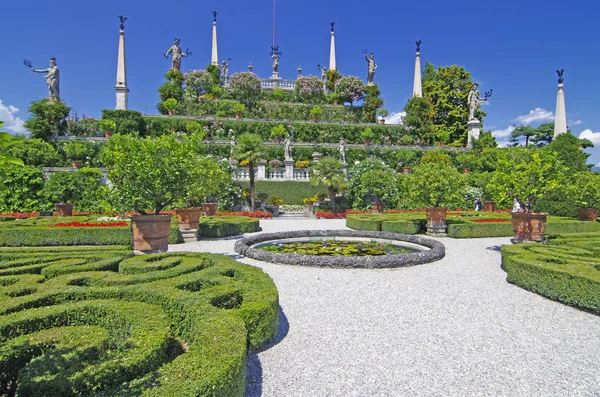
column 291, row 215
column 189, row 236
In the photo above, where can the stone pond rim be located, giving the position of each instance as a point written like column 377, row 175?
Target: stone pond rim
column 436, row 250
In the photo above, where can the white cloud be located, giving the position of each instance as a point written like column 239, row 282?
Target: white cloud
column 591, row 135
column 395, row 118
column 576, row 122
column 13, row 123
column 537, row 115
column 505, row 133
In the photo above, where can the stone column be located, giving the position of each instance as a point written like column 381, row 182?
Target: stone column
column 560, row 121
column 214, row 60
column 289, row 170
column 332, row 63
column 121, row 86
column 417, row 89
column 474, row 130
column 261, row 170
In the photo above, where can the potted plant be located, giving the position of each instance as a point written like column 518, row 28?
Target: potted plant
column 367, row 136
column 278, row 133
column 302, row 164
column 61, row 190
column 107, row 127
column 525, row 183
column 76, row 151
column 308, row 205
column 274, row 204
column 316, row 112
column 379, row 185
column 383, row 113
column 171, row 105
column 147, row 175
column 585, row 191
column 334, row 98
column 238, row 109
column 436, row 186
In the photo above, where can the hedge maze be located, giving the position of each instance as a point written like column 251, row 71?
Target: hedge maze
column 567, row 269
column 98, row 321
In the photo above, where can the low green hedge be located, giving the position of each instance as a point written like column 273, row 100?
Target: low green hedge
column 555, row 225
column 225, row 226
column 157, row 325
column 566, row 269
column 406, row 227
column 290, row 192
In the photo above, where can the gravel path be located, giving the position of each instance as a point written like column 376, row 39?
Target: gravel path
column 450, row 328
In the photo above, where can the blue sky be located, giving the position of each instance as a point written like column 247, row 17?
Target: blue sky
column 511, row 46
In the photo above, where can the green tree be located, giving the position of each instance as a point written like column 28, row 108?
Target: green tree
column 171, row 89
column 434, row 184
column 544, row 134
column 419, row 118
column 329, row 172
column 49, row 118
column 486, row 140
column 585, row 191
column 372, row 103
column 522, row 134
column 206, row 179
column 447, row 88
column 250, row 148
column 20, row 190
column 568, row 148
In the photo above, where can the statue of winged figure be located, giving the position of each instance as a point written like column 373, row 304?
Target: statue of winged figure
column 560, row 73
column 122, row 19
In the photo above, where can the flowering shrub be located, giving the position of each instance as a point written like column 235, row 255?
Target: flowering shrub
column 90, row 224
column 245, row 86
column 308, row 88
column 84, row 126
column 255, row 214
column 302, row 164
column 350, row 88
column 20, row 215
column 275, row 163
column 322, row 214
column 198, row 83
column 275, row 201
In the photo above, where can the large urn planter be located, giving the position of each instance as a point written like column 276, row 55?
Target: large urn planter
column 210, row 209
column 377, row 206
column 489, row 206
column 188, row 218
column 150, row 233
column 587, row 214
column 436, row 221
column 64, row 209
column 529, row 226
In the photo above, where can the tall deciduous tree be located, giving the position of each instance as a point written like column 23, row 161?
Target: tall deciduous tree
column 250, row 148
column 568, row 148
column 447, row 88
column 49, row 118
column 329, row 172
column 419, row 118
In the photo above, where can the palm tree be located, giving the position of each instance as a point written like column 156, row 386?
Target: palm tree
column 250, row 147
column 329, row 172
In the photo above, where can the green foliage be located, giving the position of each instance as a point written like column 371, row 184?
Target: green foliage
column 316, row 111
column 133, row 325
column 436, row 185
column 195, row 128
column 128, row 122
column 447, row 89
column 373, row 180
column 239, row 109
column 568, row 149
column 171, row 89
column 107, row 125
column 538, row 136
column 49, row 118
column 77, row 150
column 585, row 190
column 372, row 103
column 60, row 188
column 244, row 86
column 350, row 89
column 436, row 156
column 367, row 135
column 170, row 104
column 277, row 132
column 92, row 194
column 227, row 226
column 36, row 153
column 205, row 180
column 329, row 172
column 383, row 113
column 486, row 140
column 291, row 192
column 332, row 78
column 250, row 148
column 145, row 173
column 22, row 187
column 419, row 119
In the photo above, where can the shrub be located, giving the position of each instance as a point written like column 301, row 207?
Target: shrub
column 36, row 153
column 436, row 185
column 309, row 89
column 245, row 86
column 350, row 88
column 22, row 190
column 290, row 192
column 227, row 226
column 128, row 122
column 198, row 83
column 60, row 188
column 49, row 118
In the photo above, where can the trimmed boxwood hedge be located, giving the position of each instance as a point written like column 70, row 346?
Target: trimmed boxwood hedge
column 225, row 226
column 566, row 270
column 291, row 192
column 158, row 325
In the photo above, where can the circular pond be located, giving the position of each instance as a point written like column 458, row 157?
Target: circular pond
column 341, row 248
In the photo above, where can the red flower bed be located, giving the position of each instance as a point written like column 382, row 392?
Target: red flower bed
column 256, row 214
column 90, row 224
column 491, row 220
column 21, row 215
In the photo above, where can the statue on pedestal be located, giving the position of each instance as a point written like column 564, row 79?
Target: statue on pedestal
column 177, row 55
column 474, row 100
column 231, row 146
column 342, row 148
column 225, row 69
column 418, row 43
column 288, row 146
column 372, row 68
column 275, row 64
column 52, row 78
column 560, row 73
column 122, row 19
column 323, row 71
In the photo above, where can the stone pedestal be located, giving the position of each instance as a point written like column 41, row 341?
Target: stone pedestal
column 289, row 169
column 122, row 92
column 474, row 131
column 332, row 61
column 560, row 120
column 417, row 90
column 317, row 156
column 261, row 170
column 214, row 59
column 345, row 168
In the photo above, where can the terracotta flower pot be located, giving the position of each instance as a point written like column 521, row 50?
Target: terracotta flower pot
column 188, row 218
column 171, row 112
column 108, row 134
column 467, row 170
column 237, row 116
column 150, row 233
column 377, row 206
column 489, row 206
column 436, row 221
column 64, row 209
column 76, row 164
column 405, row 170
column 529, row 226
column 336, row 102
column 587, row 214
column 382, row 121
column 315, row 119
column 210, row 209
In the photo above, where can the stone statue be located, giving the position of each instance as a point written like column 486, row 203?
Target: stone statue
column 122, row 19
column 275, row 64
column 560, row 73
column 52, row 78
column 177, row 55
column 372, row 68
column 342, row 151
column 231, row 146
column 332, row 26
column 323, row 71
column 288, row 146
column 474, row 100
column 215, row 16
column 225, row 69
column 419, row 42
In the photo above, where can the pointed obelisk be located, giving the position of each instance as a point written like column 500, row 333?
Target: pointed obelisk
column 121, row 86
column 417, row 89
column 332, row 64
column 214, row 60
column 560, row 121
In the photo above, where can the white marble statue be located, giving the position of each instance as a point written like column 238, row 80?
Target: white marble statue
column 323, row 71
column 474, row 100
column 231, row 146
column 52, row 79
column 288, row 146
column 225, row 68
column 177, row 55
column 275, row 64
column 372, row 68
column 342, row 148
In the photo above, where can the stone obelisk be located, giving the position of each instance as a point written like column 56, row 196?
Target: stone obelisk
column 417, row 89
column 121, row 86
column 332, row 64
column 214, row 60
column 560, row 121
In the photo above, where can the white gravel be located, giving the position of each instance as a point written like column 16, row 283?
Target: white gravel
column 450, row 328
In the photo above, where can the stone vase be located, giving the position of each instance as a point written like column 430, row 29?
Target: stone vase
column 436, row 221
column 587, row 214
column 76, row 164
column 529, row 226
column 188, row 218
column 377, row 206
column 210, row 209
column 150, row 233
column 64, row 209
column 489, row 206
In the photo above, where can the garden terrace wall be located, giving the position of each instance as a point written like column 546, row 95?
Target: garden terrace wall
column 135, row 330
column 565, row 270
column 436, row 251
